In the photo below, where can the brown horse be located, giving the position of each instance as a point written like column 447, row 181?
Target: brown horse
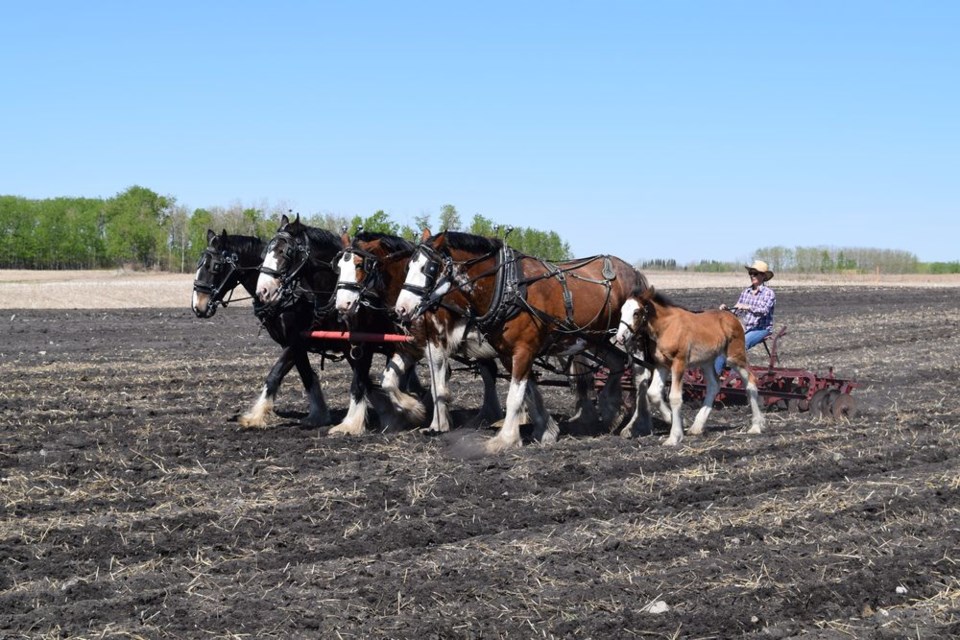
column 372, row 268
column 680, row 339
column 523, row 307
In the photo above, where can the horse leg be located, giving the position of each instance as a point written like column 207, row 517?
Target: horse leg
column 256, row 416
column 655, row 393
column 403, row 405
column 676, row 402
column 640, row 424
column 491, row 411
column 545, row 428
column 409, row 379
column 319, row 413
column 509, row 435
column 584, row 413
column 757, row 423
column 439, row 365
column 610, row 399
column 713, row 387
column 355, row 422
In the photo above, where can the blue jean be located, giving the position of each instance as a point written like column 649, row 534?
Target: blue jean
column 753, row 338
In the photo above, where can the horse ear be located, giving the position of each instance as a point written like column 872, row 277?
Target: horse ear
column 426, row 234
column 210, row 235
column 345, row 238
column 284, row 221
column 224, row 234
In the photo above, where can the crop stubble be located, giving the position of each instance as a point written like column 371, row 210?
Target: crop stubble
column 134, row 505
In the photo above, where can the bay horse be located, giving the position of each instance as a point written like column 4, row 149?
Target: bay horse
column 680, row 339
column 301, row 263
column 229, row 261
column 372, row 269
column 523, row 307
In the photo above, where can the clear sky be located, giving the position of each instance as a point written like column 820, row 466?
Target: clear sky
column 681, row 129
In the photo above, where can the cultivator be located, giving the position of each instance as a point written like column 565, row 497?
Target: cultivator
column 783, row 388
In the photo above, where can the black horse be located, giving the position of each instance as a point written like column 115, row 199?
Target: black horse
column 227, row 261
column 300, row 268
column 232, row 260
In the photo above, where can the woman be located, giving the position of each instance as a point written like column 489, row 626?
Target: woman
column 754, row 307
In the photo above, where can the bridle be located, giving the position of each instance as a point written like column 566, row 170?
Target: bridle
column 295, row 253
column 217, row 262
column 367, row 288
column 441, row 277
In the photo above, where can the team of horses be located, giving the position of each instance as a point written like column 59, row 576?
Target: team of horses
column 458, row 297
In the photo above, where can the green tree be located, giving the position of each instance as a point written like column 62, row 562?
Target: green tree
column 380, row 222
column 449, row 218
column 134, row 226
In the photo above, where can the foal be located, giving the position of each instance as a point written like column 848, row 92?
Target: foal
column 682, row 339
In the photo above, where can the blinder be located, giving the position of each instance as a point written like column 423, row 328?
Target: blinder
column 430, row 272
column 363, row 286
column 214, row 262
column 292, row 250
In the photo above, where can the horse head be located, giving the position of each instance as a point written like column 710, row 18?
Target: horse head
column 369, row 271
column 635, row 313
column 298, row 259
column 225, row 262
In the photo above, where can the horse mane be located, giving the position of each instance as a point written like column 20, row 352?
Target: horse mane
column 469, row 242
column 642, row 291
column 390, row 243
column 316, row 236
column 244, row 245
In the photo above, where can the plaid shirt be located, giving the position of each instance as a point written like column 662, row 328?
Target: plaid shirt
column 761, row 303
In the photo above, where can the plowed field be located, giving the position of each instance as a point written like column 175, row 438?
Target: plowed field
column 133, row 505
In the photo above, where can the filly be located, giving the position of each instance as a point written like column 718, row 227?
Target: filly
column 680, row 339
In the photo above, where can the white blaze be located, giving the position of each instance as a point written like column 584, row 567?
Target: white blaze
column 407, row 301
column 346, row 298
column 627, row 311
column 267, row 285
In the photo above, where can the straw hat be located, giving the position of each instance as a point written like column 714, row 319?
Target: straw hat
column 762, row 267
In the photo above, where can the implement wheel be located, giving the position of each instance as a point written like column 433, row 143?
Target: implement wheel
column 818, row 403
column 844, row 407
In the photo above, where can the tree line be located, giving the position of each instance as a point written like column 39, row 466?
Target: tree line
column 140, row 229
column 815, row 260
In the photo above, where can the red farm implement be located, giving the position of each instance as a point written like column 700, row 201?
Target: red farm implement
column 779, row 387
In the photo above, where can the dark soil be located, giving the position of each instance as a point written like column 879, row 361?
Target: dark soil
column 132, row 504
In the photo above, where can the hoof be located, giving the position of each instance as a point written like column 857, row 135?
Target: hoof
column 670, row 442
column 318, row 420
column 251, row 422
column 344, row 429
column 496, row 445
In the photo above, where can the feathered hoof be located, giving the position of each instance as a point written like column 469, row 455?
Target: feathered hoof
column 498, row 445
column 671, row 442
column 755, row 429
column 344, row 429
column 251, row 421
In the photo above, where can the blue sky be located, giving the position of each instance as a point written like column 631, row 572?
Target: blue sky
column 686, row 130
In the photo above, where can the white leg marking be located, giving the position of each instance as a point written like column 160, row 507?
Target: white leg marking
column 354, row 423
column 256, row 416
column 509, row 436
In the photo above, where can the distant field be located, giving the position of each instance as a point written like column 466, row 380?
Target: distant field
column 117, row 289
